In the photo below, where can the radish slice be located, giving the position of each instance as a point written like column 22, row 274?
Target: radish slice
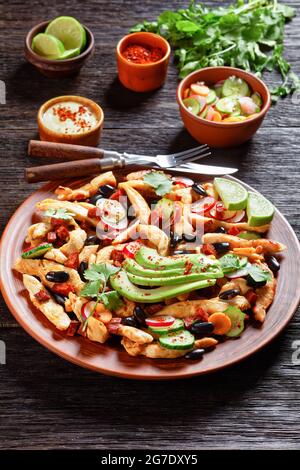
column 130, row 250
column 205, row 204
column 219, row 212
column 163, row 320
column 112, row 213
column 238, row 217
column 87, row 309
column 182, row 180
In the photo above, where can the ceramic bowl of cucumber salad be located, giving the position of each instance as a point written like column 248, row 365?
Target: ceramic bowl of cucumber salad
column 59, row 47
column 222, row 106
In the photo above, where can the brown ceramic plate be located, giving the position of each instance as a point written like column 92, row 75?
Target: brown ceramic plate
column 110, row 358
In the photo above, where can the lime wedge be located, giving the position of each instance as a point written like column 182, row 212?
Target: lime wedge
column 69, row 53
column 260, row 211
column 69, row 31
column 234, row 196
column 47, row 46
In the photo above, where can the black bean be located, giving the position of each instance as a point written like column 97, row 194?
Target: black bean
column 179, row 252
column 81, row 268
column 129, row 321
column 199, row 189
column 175, row 239
column 272, row 263
column 221, row 247
column 195, row 354
column 57, row 276
column 229, row 294
column 60, row 299
column 131, row 213
column 72, row 316
column 201, row 328
column 94, row 199
column 107, row 190
column 140, row 316
column 92, row 240
column 255, row 284
column 220, row 230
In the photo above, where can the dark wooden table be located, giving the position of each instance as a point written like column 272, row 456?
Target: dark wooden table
column 46, row 402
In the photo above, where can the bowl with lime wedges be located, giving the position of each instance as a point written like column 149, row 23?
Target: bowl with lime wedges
column 60, row 47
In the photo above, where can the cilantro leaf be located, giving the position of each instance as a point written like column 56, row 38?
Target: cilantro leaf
column 246, row 35
column 111, row 300
column 91, row 289
column 58, row 214
column 104, row 269
column 159, row 181
column 229, row 263
column 258, row 274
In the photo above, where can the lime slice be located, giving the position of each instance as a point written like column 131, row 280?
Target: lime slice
column 228, row 105
column 234, row 196
column 69, row 31
column 260, row 211
column 69, row 53
column 192, row 105
column 47, row 46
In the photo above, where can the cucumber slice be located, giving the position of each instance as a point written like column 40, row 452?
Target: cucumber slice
column 192, row 105
column 227, row 105
column 123, row 286
column 180, row 340
column 37, row 251
column 237, row 321
column 69, row 31
column 211, row 97
column 260, row 211
column 48, row 46
column 249, row 235
column 234, row 196
column 257, row 99
column 235, row 87
column 178, row 325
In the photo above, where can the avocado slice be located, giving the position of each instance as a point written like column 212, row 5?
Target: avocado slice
column 133, row 267
column 149, row 258
column 167, row 281
column 123, row 286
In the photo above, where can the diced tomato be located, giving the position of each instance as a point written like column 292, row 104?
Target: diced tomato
column 72, row 261
column 202, row 314
column 251, row 297
column 73, row 328
column 42, row 296
column 62, row 232
column 130, row 249
column 57, row 222
column 116, row 196
column 117, row 256
column 233, row 231
column 113, row 325
column 63, row 288
column 93, row 212
column 80, row 196
column 51, row 237
column 208, row 249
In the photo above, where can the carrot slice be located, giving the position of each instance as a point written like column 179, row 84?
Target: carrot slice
column 221, row 322
column 186, row 93
column 217, row 117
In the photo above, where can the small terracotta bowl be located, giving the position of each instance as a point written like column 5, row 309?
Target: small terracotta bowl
column 216, row 134
column 143, row 77
column 90, row 138
column 57, row 68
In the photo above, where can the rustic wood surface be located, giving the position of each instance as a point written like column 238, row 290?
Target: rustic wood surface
column 48, row 403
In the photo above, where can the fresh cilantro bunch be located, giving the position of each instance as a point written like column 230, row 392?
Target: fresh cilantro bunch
column 247, row 35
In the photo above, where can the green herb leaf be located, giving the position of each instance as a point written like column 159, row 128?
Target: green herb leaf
column 91, row 289
column 58, row 214
column 159, row 181
column 247, row 35
column 111, row 300
column 104, row 269
column 229, row 263
column 259, row 274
